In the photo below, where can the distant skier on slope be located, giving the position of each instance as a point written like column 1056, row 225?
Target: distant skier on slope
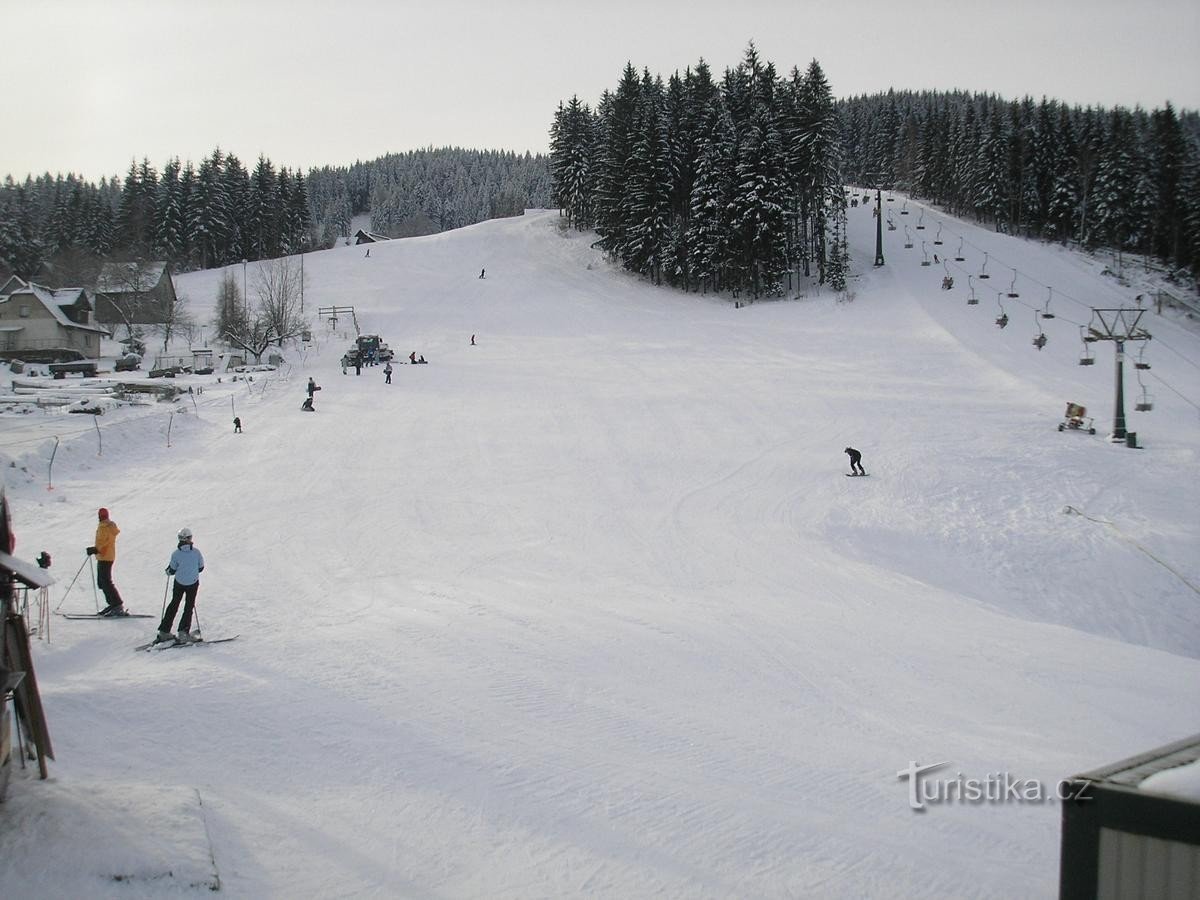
column 387, row 371
column 855, row 461
column 186, row 564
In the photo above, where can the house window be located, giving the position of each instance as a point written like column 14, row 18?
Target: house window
column 24, row 311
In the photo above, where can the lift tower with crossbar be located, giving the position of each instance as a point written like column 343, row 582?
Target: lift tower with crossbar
column 1118, row 326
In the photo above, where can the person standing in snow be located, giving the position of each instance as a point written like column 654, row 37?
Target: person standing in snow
column 105, row 551
column 387, row 371
column 855, row 461
column 313, row 387
column 237, row 425
column 186, row 565
column 481, row 271
column 345, row 363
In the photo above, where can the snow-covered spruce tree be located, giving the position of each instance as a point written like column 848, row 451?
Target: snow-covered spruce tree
column 262, row 226
column 760, row 197
column 209, row 212
column 708, row 228
column 237, row 189
column 171, row 234
column 991, row 189
column 572, row 142
column 135, row 216
column 648, row 192
column 1113, row 192
column 614, row 151
column 820, row 177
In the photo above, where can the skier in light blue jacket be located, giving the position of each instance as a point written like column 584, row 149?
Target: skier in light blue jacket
column 186, row 565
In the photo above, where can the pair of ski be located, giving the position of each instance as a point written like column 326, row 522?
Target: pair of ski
column 153, row 645
column 167, row 645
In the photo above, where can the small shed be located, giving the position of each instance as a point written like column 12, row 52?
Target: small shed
column 369, row 237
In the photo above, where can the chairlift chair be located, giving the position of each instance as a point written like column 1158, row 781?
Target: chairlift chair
column 908, row 241
column 1141, row 365
column 1041, row 340
column 983, row 275
column 972, row 300
column 937, row 238
column 925, row 251
column 1087, row 359
column 1002, row 319
column 904, row 209
column 921, row 221
column 1046, row 314
column 1147, row 402
column 958, row 257
column 1012, row 288
column 1077, row 419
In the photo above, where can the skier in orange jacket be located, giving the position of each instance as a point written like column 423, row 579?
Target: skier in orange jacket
column 105, row 551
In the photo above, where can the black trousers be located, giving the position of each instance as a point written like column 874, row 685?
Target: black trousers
column 104, row 581
column 179, row 592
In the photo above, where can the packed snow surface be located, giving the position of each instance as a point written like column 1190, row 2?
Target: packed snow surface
column 590, row 609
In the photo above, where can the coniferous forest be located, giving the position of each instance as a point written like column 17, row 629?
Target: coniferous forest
column 704, row 184
column 732, row 185
column 1119, row 179
column 61, row 228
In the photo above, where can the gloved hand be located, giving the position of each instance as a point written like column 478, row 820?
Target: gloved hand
column 169, row 571
column 91, row 551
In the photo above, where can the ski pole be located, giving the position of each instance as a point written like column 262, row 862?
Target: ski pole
column 95, row 602
column 166, row 587
column 72, row 584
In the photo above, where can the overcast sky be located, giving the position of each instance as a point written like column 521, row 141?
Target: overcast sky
column 87, row 85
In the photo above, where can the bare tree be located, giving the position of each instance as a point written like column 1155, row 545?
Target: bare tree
column 277, row 284
column 176, row 318
column 276, row 315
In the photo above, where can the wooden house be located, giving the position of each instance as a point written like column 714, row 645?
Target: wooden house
column 134, row 292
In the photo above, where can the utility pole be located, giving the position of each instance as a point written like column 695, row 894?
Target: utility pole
column 1118, row 326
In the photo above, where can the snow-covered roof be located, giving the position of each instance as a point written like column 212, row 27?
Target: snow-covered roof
column 71, row 296
column 48, row 299
column 116, row 277
column 12, row 284
column 362, row 234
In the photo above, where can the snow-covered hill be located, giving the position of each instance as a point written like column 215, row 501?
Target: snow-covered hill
column 589, row 608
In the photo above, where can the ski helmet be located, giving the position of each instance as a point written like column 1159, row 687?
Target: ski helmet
column 185, row 535
column 102, row 513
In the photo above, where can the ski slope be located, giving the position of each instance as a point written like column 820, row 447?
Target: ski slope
column 589, row 609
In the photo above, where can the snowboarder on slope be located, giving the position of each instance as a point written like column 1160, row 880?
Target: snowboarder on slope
column 105, row 551
column 313, row 387
column 186, row 565
column 855, row 461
